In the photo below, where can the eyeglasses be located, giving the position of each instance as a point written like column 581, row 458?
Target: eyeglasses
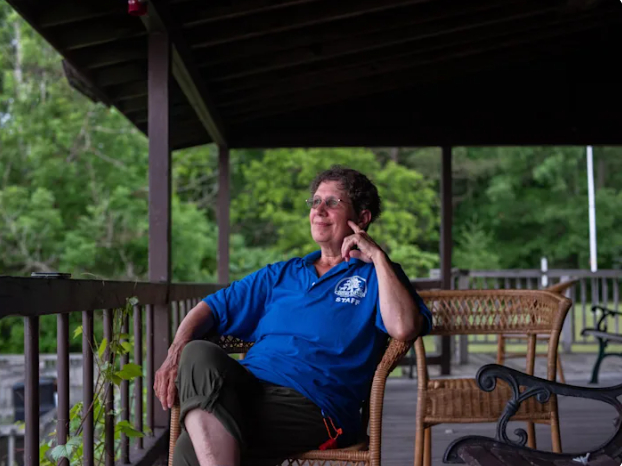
column 331, row 202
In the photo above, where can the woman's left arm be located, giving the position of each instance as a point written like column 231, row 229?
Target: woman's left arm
column 399, row 311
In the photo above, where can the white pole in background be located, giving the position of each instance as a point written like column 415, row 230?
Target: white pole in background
column 544, row 268
column 592, row 208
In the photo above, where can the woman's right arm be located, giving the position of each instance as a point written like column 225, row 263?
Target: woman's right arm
column 195, row 325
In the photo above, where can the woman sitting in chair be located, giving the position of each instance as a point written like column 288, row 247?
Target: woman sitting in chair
column 319, row 324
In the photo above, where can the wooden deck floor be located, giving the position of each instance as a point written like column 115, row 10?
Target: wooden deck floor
column 585, row 423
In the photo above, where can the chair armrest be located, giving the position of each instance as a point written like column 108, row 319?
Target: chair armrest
column 542, row 389
column 395, row 351
column 602, row 322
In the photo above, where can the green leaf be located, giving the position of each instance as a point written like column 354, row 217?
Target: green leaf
column 102, row 348
column 67, row 450
column 130, row 371
column 133, row 301
column 116, row 380
column 77, row 332
column 43, row 449
column 127, row 347
column 75, row 411
column 126, row 428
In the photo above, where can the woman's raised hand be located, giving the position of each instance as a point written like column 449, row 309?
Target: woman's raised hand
column 367, row 250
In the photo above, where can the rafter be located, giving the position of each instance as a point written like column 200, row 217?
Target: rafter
column 459, row 63
column 122, row 51
column 406, row 42
column 295, row 18
column 119, row 74
column 127, row 91
column 393, row 27
column 186, row 73
column 195, row 13
column 94, row 32
column 58, row 13
column 407, row 57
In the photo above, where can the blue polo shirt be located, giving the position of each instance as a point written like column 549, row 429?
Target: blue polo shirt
column 320, row 336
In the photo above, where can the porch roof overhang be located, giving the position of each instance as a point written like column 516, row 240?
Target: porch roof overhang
column 284, row 73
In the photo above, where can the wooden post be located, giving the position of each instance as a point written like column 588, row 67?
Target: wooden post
column 223, row 214
column 159, row 73
column 446, row 246
column 568, row 327
column 463, row 345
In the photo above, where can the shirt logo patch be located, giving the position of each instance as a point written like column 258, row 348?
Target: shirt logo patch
column 351, row 288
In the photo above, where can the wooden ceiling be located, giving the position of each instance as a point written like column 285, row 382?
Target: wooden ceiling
column 270, row 73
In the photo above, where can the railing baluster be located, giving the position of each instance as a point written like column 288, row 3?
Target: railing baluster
column 506, row 283
column 181, row 305
column 138, row 383
column 584, row 306
column 616, row 299
column 62, row 367
column 176, row 319
column 109, row 398
column 87, row 388
column 31, row 391
column 188, row 306
column 150, row 370
column 125, row 398
column 573, row 312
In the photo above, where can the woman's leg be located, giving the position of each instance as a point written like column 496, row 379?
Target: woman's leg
column 214, row 393
column 281, row 424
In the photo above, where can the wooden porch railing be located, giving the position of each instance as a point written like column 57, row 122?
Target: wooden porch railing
column 35, row 297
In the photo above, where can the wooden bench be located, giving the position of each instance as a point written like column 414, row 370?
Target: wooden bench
column 502, row 451
column 604, row 337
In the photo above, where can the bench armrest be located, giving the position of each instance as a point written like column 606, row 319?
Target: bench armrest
column 542, row 389
column 606, row 312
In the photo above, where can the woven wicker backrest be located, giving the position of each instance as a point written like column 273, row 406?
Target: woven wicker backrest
column 230, row 344
column 463, row 312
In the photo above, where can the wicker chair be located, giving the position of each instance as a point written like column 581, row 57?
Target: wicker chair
column 502, row 354
column 468, row 312
column 366, row 453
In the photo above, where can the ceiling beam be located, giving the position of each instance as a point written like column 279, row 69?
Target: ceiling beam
column 194, row 13
column 457, row 64
column 58, row 13
column 186, row 73
column 127, row 91
column 399, row 28
column 122, row 51
column 426, row 51
column 380, row 46
column 504, row 132
column 95, row 32
column 119, row 74
column 269, row 23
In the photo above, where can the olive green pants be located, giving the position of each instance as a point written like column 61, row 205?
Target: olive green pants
column 269, row 422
